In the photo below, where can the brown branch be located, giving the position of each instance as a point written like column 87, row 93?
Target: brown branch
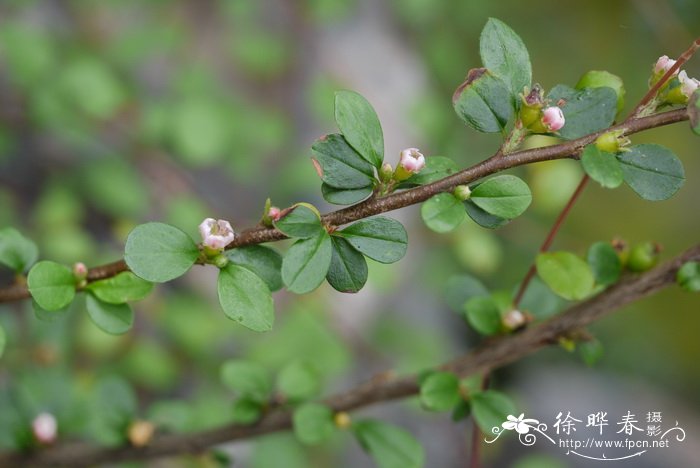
column 489, row 356
column 377, row 205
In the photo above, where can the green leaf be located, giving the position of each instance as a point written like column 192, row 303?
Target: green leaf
column 348, row 270
column 440, row 391
column 345, row 197
column 491, row 409
column 390, row 446
column 306, row 263
column 51, row 284
column 341, row 166
column 652, row 171
column 566, row 274
column 540, row 300
column 125, row 287
column 483, row 101
column 301, row 222
column 360, row 126
column 436, row 168
column 159, row 252
column 313, row 423
column 49, row 316
column 380, row 238
column 591, row 351
column 483, row 315
column 246, row 411
column 462, row 410
column 504, row 196
column 461, row 288
column 694, row 112
column 601, row 166
column 482, row 218
column 443, row 212
column 115, row 319
column 247, row 379
column 3, row 340
column 298, row 380
column 263, row 261
column 16, row 251
column 604, row 262
column 504, row 53
column 245, row 298
column 688, row 276
column 586, row 111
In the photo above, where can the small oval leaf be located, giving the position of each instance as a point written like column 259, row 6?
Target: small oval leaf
column 245, row 298
column 51, row 284
column 115, row 319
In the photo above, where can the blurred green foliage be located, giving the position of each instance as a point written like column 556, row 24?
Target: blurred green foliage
column 117, row 112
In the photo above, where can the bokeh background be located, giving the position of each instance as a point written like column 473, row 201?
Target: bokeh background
column 113, row 113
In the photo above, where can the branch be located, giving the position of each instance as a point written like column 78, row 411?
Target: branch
column 377, row 205
column 384, row 387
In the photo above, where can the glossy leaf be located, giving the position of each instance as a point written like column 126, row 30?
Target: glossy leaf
column 247, row 379
column 246, row 411
column 440, row 391
column 115, row 319
column 159, row 252
column 345, row 197
column 601, row 166
column 443, row 212
column 360, row 126
column 379, row 238
column 604, row 262
column 313, row 423
column 348, row 269
column 389, row 446
column 688, row 276
column 340, row 164
column 16, row 251
column 504, row 196
column 483, row 314
column 302, row 222
column 586, row 111
column 306, row 263
column 482, row 218
column 298, row 380
column 483, row 101
column 51, row 284
column 652, row 171
column 245, row 298
column 124, row 287
column 504, row 53
column 566, row 274
column 264, row 261
column 491, row 409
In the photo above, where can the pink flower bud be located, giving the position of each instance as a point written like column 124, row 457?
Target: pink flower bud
column 216, row 234
column 688, row 85
column 663, row 64
column 514, row 319
column 553, row 118
column 80, row 271
column 274, row 213
column 412, row 160
column 45, row 428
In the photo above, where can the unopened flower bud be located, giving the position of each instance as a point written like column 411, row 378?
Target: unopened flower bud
column 663, row 64
column 342, row 420
column 216, row 234
column 80, row 271
column 553, row 118
column 463, row 192
column 220, row 261
column 274, row 213
column 612, row 142
column 688, row 85
column 386, row 172
column 514, row 319
column 45, row 428
column 140, row 433
column 411, row 162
